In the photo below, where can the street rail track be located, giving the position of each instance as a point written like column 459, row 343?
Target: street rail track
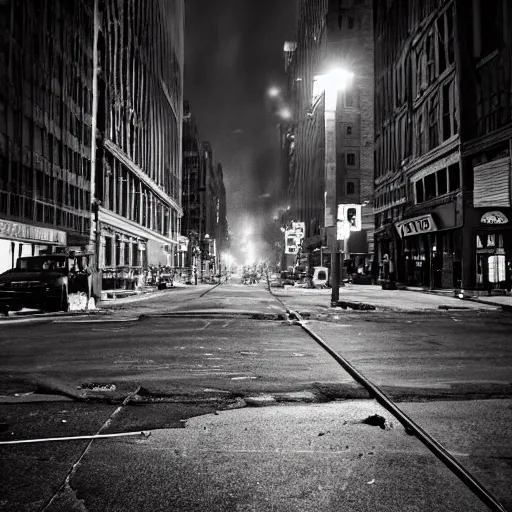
column 411, row 427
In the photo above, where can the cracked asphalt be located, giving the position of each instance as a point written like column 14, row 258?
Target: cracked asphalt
column 207, row 361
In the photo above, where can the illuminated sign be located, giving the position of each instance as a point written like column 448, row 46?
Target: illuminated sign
column 293, row 237
column 494, row 217
column 18, row 231
column 416, row 226
column 350, row 213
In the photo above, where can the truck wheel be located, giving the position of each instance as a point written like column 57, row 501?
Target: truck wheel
column 64, row 305
column 58, row 304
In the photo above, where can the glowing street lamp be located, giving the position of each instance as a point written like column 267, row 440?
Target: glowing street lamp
column 285, row 113
column 273, row 92
column 329, row 84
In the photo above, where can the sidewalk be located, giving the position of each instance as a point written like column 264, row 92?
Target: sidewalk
column 386, row 300
column 493, row 300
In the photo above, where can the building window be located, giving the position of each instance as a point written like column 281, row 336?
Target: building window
column 454, row 177
column 433, row 117
column 118, row 253
column 108, row 251
column 350, row 22
column 442, row 182
column 430, row 186
column 419, row 192
column 135, row 254
column 126, row 253
column 349, row 130
column 351, row 159
column 351, row 188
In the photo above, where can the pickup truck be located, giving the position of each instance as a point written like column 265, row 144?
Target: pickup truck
column 47, row 283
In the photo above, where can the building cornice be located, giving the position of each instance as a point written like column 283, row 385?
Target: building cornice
column 142, row 176
column 481, row 143
column 117, row 221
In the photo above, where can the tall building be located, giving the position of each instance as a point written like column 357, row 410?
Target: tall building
column 90, row 131
column 442, row 142
column 139, row 156
column 204, row 201
column 331, row 34
column 46, row 110
column 193, row 188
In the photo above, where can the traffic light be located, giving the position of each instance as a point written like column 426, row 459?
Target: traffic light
column 352, row 217
column 351, row 213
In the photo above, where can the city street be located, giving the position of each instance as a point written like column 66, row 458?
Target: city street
column 193, row 369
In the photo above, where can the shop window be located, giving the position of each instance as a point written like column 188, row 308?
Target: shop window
column 108, row 251
column 496, row 267
column 442, row 182
column 126, row 253
column 430, row 186
column 454, row 177
column 135, row 254
column 420, row 197
column 118, row 253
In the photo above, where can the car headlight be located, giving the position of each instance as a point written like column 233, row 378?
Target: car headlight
column 5, row 284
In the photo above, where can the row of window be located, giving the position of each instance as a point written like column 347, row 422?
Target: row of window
column 30, row 211
column 437, row 184
column 140, row 120
column 119, row 253
column 126, row 195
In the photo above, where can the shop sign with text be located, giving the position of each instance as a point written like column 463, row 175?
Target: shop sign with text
column 18, row 231
column 416, row 226
column 494, row 217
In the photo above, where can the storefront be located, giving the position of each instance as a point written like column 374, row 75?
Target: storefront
column 131, row 257
column 430, row 252
column 18, row 239
column 493, row 250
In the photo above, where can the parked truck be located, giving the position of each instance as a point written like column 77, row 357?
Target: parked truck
column 54, row 282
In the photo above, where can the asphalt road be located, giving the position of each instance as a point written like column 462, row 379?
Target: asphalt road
column 195, row 352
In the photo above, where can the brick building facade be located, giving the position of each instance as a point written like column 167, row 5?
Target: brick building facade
column 204, row 201
column 331, row 34
column 442, row 137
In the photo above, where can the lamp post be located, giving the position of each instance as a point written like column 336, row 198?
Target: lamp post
column 329, row 84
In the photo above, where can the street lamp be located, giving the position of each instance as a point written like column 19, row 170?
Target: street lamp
column 329, row 84
column 273, row 92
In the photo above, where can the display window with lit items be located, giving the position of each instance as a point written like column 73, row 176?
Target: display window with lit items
column 493, row 260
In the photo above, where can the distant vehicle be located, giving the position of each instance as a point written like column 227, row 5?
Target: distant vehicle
column 288, row 278
column 275, row 281
column 320, row 277
column 49, row 282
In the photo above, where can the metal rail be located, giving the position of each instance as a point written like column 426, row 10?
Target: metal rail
column 410, row 425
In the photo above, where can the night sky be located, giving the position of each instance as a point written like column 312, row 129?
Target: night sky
column 233, row 54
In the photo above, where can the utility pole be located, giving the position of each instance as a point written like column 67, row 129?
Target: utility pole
column 330, row 84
